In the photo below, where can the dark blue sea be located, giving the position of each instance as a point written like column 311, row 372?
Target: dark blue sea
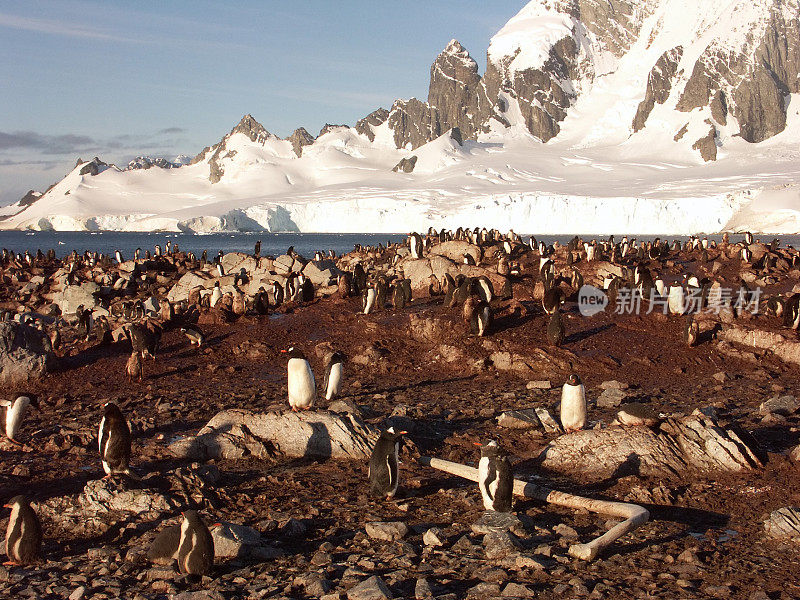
column 271, row 243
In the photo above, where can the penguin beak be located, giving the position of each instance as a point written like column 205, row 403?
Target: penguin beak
column 403, row 433
column 477, row 444
column 216, row 525
column 283, row 351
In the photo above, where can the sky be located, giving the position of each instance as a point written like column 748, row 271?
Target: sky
column 121, row 79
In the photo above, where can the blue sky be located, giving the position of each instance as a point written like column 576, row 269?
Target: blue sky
column 117, row 79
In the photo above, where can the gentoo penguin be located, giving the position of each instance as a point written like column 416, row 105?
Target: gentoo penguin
column 381, row 293
column 306, row 289
column 196, row 545
column 194, row 335
column 635, row 413
column 691, row 331
column 398, row 296
column 747, row 254
column 484, row 288
column 748, row 237
column 261, row 301
column 220, row 270
column 134, row 368
column 302, row 389
column 277, row 293
column 383, row 472
column 359, row 279
column 495, row 478
column 415, row 245
column 114, row 441
column 216, row 295
column 157, row 250
column 257, row 250
column 24, row 533
column 368, row 300
column 15, row 411
column 118, row 256
column 343, row 286
column 573, row 404
column 334, row 367
column 478, row 315
column 137, row 254
column 434, row 287
column 553, row 299
column 676, row 300
column 555, row 329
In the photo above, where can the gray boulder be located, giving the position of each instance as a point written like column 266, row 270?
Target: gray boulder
column 25, row 353
column 73, row 296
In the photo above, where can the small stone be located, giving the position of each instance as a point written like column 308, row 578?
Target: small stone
column 519, row 419
column 370, row 589
column 423, row 589
column 538, row 385
column 313, row 584
column 611, row 398
column 79, row 593
column 484, row 590
column 548, row 422
column 433, row 537
column 500, row 544
column 528, row 562
column 613, row 385
column 720, row 376
column 780, row 405
column 565, row 531
column 388, row 531
column 516, row 590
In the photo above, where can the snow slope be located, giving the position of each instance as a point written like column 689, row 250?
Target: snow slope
column 595, row 176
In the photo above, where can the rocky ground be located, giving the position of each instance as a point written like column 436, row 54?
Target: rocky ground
column 317, row 531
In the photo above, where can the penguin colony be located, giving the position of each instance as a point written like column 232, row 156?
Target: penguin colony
column 638, row 266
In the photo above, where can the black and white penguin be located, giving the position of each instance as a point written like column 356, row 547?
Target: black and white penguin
column 381, row 292
column 552, row 299
column 277, row 293
column 15, row 412
column 118, row 256
column 261, row 301
column 748, row 238
column 334, row 372
column 137, row 254
column 194, row 335
column 220, row 270
column 307, row 291
column 359, row 279
column 573, row 404
column 415, row 245
column 495, row 478
column 691, row 331
column 302, row 389
column 383, row 471
column 555, row 329
column 257, row 250
column 398, row 296
column 157, row 250
column 196, row 545
column 483, row 287
column 216, row 295
column 478, row 314
column 24, row 533
column 114, row 441
column 368, row 300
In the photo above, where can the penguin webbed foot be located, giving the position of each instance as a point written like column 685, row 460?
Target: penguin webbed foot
column 15, row 442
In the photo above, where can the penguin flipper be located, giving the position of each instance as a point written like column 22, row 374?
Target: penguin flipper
column 327, row 377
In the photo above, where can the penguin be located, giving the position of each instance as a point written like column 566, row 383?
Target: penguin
column 748, row 237
column 302, row 389
column 368, row 300
column 196, row 545
column 118, row 256
column 398, row 296
column 405, row 284
column 507, row 291
column 415, row 245
column 553, row 299
column 134, row 368
column 220, row 270
column 691, row 331
column 555, row 329
column 478, row 314
column 434, row 287
column 484, row 288
column 167, row 311
column 573, row 404
column 383, row 473
column 495, row 478
column 462, row 291
column 257, row 251
column 468, row 259
column 277, row 293
column 359, row 279
column 157, row 250
column 676, row 300
column 343, row 286
column 15, row 412
column 334, row 367
column 24, row 533
column 216, row 295
column 239, row 302
column 194, row 335
column 306, row 289
column 261, row 301
column 381, row 293
column 114, row 441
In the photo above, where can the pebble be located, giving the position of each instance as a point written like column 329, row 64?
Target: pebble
column 538, row 385
column 433, row 537
column 79, row 593
column 388, row 531
column 373, row 588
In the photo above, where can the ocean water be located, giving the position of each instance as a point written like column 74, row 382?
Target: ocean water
column 273, row 244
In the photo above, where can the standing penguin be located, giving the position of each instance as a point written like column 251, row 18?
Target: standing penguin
column 15, row 411
column 114, row 441
column 334, row 367
column 216, row 295
column 134, row 369
column 368, row 300
column 383, row 473
column 555, row 329
column 24, row 534
column 478, row 314
column 552, row 299
column 302, row 389
column 495, row 478
column 573, row 404
column 196, row 545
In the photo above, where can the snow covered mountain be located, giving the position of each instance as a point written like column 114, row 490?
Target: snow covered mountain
column 648, row 116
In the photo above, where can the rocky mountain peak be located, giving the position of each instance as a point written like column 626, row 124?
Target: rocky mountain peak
column 252, row 129
column 299, row 138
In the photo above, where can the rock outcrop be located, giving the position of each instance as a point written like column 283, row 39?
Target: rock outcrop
column 299, row 138
column 24, row 353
